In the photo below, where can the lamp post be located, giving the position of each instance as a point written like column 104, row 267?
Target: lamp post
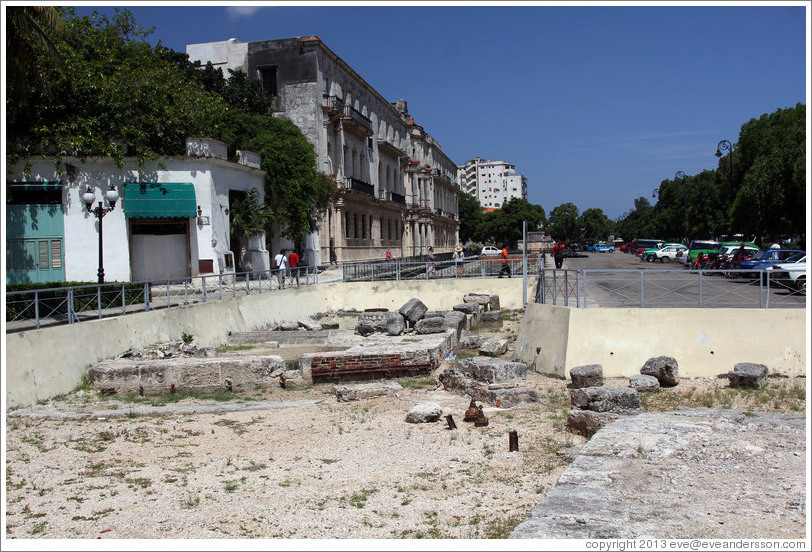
column 725, row 145
column 680, row 176
column 89, row 197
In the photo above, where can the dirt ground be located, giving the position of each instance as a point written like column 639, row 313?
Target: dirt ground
column 308, row 467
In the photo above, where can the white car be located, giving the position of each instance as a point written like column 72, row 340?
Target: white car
column 790, row 274
column 489, row 251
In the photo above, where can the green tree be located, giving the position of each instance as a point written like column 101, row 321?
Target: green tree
column 31, row 32
column 505, row 225
column 564, row 223
column 470, row 217
column 119, row 94
column 595, row 225
column 771, row 152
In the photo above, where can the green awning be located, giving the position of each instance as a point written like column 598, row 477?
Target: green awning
column 159, row 200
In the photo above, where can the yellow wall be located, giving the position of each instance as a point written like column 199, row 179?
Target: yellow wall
column 705, row 342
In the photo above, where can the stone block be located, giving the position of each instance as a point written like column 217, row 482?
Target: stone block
column 413, row 310
column 587, row 422
column 310, row 324
column 425, row 412
column 606, row 399
column 664, row 368
column 472, row 341
column 492, row 316
column 154, row 377
column 748, row 375
column 468, row 308
column 491, row 370
column 644, row 383
column 431, row 325
column 494, row 346
column 345, row 393
column 590, row 375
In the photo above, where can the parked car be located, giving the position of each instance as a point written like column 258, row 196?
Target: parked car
column 490, row 251
column 664, row 254
column 791, row 274
column 601, row 247
column 768, row 257
column 697, row 247
column 641, row 244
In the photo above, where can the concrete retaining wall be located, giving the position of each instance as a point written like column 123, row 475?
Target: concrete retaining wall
column 705, row 342
column 51, row 361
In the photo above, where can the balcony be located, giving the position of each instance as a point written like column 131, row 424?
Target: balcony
column 332, row 105
column 385, row 146
column 399, row 199
column 357, row 121
column 360, row 186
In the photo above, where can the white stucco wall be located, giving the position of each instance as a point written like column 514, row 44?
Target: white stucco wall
column 212, row 179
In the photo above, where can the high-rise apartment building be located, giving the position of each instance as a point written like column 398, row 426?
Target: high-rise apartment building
column 492, row 182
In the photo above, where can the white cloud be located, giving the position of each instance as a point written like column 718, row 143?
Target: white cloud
column 235, row 12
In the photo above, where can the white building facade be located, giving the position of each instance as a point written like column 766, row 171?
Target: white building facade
column 397, row 190
column 169, row 223
column 493, row 183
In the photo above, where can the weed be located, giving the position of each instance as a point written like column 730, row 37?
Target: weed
column 191, row 501
column 38, row 528
column 187, row 338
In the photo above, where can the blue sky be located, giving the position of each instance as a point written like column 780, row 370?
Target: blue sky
column 595, row 103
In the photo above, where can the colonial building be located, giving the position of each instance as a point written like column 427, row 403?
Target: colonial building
column 397, row 189
column 493, row 183
column 167, row 222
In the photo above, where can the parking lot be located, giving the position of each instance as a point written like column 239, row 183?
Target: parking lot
column 623, row 280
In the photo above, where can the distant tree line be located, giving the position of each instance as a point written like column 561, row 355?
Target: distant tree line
column 758, row 190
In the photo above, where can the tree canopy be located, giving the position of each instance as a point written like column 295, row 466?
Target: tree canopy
column 119, row 95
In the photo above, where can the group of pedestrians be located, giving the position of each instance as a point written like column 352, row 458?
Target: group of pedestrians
column 287, row 266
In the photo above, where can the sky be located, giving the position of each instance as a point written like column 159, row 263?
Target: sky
column 595, row 103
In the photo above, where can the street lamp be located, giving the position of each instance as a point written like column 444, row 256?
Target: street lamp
column 677, row 177
column 724, row 145
column 89, row 197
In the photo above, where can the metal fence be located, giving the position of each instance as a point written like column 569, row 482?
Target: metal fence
column 666, row 289
column 26, row 310
column 423, row 270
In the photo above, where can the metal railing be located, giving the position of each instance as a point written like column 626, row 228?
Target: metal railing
column 731, row 288
column 27, row 310
column 369, row 271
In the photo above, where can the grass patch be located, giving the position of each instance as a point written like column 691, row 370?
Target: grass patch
column 418, row 383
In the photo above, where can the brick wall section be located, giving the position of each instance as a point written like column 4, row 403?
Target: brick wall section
column 338, row 366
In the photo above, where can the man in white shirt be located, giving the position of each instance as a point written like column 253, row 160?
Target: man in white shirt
column 281, row 262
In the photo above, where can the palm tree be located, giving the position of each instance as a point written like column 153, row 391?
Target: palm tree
column 30, row 32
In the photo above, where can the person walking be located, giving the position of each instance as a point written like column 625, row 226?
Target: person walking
column 431, row 271
column 458, row 258
column 281, row 262
column 333, row 257
column 505, row 263
column 388, row 254
column 558, row 255
column 293, row 263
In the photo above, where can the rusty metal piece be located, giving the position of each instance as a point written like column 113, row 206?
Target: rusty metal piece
column 450, row 419
column 513, row 441
column 282, row 380
column 229, row 385
column 172, row 389
column 481, row 420
column 110, row 391
column 472, row 413
column 498, row 403
column 141, row 390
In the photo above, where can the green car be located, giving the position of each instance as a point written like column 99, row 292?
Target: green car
column 699, row 246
